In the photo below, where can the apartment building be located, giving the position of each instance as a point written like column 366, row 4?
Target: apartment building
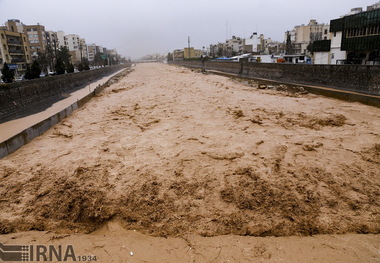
column 234, row 46
column 258, row 44
column 37, row 38
column 301, row 36
column 192, row 53
column 91, row 51
column 62, row 39
column 178, row 54
column 14, row 25
column 14, row 50
column 73, row 44
column 35, row 35
column 251, row 44
column 83, row 48
column 52, row 42
column 52, row 47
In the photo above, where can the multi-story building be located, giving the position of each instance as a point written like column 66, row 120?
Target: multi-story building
column 35, row 34
column 359, row 37
column 256, row 44
column 192, row 53
column 52, row 41
column 99, row 49
column 234, row 46
column 52, row 47
column 62, row 39
column 251, row 44
column 113, row 56
column 14, row 50
column 83, row 48
column 15, row 25
column 73, row 44
column 91, row 51
column 178, row 54
column 355, row 39
column 260, row 45
column 301, row 36
column 37, row 38
column 216, row 50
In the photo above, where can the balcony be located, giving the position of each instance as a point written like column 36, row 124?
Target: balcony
column 18, row 60
column 15, row 51
column 14, row 43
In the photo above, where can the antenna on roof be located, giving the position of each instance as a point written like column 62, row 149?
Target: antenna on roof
column 226, row 29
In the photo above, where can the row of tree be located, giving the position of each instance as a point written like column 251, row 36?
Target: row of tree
column 62, row 64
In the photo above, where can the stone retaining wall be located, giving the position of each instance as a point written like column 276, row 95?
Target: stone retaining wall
column 27, row 95
column 361, row 78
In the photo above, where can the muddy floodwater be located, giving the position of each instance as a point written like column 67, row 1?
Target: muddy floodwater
column 178, row 166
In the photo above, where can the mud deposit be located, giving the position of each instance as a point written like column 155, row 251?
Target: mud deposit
column 171, row 152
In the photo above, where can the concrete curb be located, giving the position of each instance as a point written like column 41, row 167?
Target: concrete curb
column 14, row 143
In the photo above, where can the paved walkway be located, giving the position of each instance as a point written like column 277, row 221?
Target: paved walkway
column 11, row 128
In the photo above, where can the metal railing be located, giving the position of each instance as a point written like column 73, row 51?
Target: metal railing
column 14, row 42
column 17, row 60
column 16, row 51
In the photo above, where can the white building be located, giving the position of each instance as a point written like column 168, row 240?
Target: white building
column 251, row 44
column 336, row 54
column 62, row 39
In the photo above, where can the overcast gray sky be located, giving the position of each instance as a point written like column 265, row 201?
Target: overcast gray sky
column 139, row 27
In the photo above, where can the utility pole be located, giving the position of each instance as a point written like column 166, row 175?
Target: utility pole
column 188, row 41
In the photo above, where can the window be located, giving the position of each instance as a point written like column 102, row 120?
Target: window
column 2, row 36
column 325, row 31
column 364, row 31
column 5, row 47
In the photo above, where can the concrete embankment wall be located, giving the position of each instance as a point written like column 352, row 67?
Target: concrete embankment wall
column 25, row 95
column 11, row 145
column 359, row 78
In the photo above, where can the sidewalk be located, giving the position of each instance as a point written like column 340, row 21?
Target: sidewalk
column 14, row 127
